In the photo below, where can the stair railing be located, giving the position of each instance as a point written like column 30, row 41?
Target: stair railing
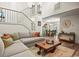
column 16, row 17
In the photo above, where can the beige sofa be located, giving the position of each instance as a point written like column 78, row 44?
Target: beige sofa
column 20, row 47
column 17, row 49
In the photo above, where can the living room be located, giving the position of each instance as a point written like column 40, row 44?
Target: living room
column 39, row 29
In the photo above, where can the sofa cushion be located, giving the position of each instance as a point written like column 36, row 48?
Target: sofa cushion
column 25, row 35
column 38, row 38
column 26, row 53
column 1, row 47
column 17, row 41
column 33, row 39
column 14, row 49
column 27, row 40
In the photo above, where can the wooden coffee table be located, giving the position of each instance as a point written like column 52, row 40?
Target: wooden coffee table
column 45, row 48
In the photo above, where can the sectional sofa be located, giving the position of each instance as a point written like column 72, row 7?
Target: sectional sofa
column 20, row 47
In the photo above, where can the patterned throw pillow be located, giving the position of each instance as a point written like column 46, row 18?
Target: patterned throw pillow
column 8, row 42
column 6, row 36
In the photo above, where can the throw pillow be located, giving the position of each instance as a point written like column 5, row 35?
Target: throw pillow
column 36, row 34
column 15, row 36
column 7, row 42
column 6, row 36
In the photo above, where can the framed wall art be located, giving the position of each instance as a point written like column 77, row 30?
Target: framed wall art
column 67, row 23
column 39, row 23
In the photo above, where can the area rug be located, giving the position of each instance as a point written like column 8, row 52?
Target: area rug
column 60, row 51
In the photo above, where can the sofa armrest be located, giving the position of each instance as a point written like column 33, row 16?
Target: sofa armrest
column 26, row 53
column 15, row 49
column 17, row 41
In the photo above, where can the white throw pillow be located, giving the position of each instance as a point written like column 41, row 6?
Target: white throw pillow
column 1, row 47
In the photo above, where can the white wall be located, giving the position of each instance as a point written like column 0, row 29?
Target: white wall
column 38, row 28
column 48, row 8
column 25, row 21
column 5, row 28
column 15, row 17
column 66, row 6
column 74, row 25
column 14, row 5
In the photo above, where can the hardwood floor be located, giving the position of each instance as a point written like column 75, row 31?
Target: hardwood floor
column 76, row 48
